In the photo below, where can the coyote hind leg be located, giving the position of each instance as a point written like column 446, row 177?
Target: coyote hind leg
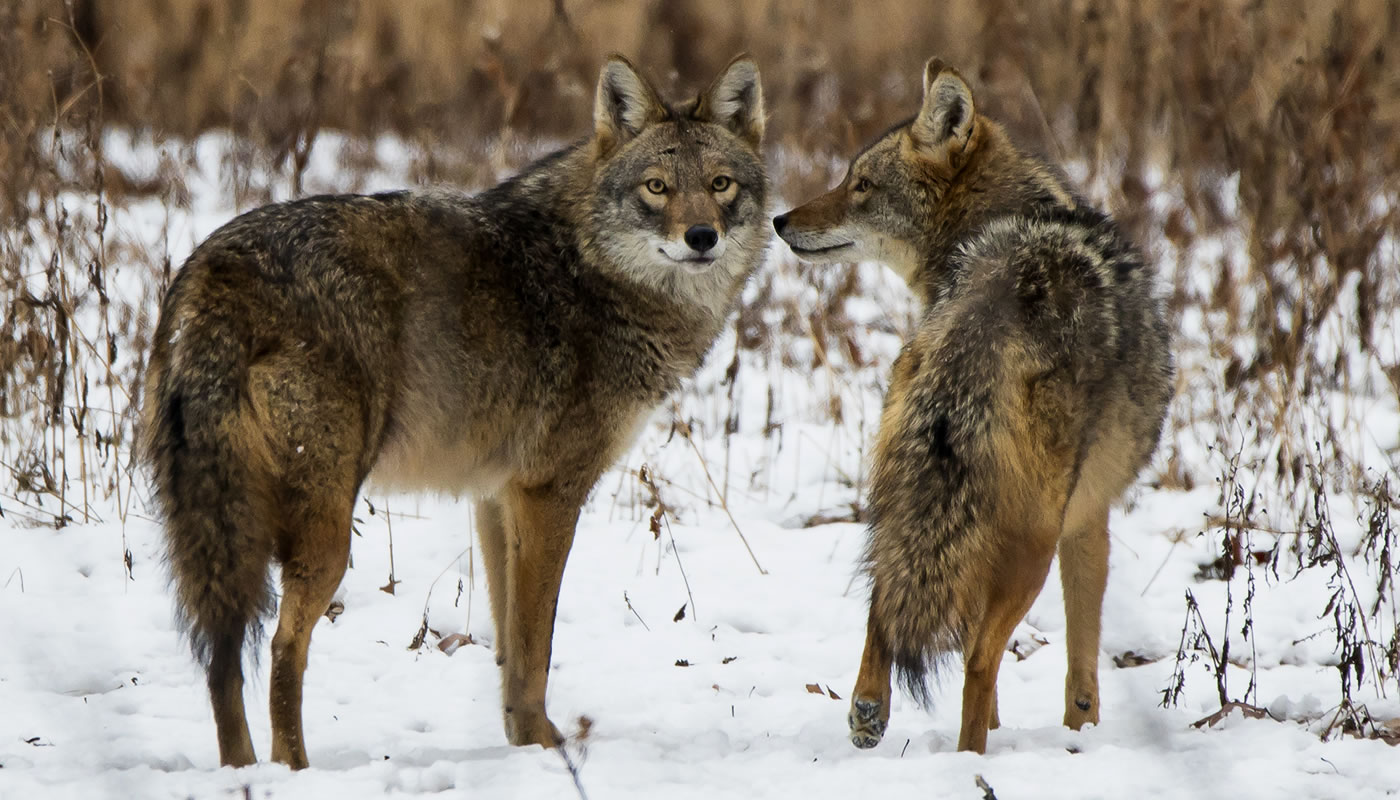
column 315, row 423
column 1007, row 602
column 226, row 696
column 1084, row 574
column 311, row 571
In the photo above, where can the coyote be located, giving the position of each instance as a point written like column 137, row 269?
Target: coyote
column 1028, row 399
column 508, row 346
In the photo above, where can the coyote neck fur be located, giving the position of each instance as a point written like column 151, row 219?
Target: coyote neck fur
column 1025, row 188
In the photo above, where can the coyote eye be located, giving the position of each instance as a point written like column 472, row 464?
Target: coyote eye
column 656, row 186
column 863, row 185
column 721, row 183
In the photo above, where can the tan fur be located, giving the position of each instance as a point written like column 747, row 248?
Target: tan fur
column 509, row 346
column 1026, row 402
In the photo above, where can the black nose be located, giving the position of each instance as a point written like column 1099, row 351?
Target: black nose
column 701, row 237
column 780, row 222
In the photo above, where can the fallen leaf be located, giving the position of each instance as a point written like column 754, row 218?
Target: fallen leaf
column 1024, row 646
column 1131, row 658
column 420, row 635
column 452, row 641
column 335, row 609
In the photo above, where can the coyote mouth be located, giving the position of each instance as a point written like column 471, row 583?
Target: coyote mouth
column 815, row 251
column 693, row 264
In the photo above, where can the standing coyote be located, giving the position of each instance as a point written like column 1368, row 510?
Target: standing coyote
column 1027, row 401
column 508, row 345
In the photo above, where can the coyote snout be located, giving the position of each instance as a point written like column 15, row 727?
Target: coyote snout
column 815, row 244
column 854, row 223
column 1026, row 402
column 695, row 249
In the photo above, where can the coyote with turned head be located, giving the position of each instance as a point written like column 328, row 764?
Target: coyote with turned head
column 1028, row 399
column 508, row 345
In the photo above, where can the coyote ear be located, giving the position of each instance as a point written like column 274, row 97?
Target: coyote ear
column 735, row 100
column 625, row 103
column 945, row 120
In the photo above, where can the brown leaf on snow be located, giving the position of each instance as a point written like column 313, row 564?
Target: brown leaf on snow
column 420, row 636
column 452, row 641
column 335, row 609
column 1023, row 646
column 1389, row 732
column 1131, row 658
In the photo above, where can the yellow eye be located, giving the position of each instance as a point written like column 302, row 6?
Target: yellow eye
column 863, row 185
column 656, row 186
column 721, row 183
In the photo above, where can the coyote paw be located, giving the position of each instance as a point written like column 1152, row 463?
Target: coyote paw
column 523, row 729
column 867, row 727
column 1081, row 710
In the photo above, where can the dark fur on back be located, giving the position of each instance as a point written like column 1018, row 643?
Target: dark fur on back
column 1044, row 289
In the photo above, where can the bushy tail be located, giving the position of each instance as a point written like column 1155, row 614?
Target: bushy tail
column 928, row 540
column 210, row 463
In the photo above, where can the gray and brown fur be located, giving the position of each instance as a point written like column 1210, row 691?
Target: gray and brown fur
column 507, row 345
column 1026, row 402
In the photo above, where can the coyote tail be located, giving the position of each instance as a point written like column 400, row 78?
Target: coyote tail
column 928, row 541
column 210, row 461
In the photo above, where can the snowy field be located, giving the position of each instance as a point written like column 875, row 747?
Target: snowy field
column 742, row 695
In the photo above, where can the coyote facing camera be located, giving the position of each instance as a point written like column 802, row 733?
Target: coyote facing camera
column 508, row 345
column 1029, row 397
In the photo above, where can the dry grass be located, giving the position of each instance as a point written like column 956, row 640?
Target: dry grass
column 1266, row 129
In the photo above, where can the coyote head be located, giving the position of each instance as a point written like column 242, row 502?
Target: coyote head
column 678, row 197
column 906, row 196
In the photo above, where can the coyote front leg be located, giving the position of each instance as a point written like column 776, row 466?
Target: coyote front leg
column 539, row 531
column 870, row 701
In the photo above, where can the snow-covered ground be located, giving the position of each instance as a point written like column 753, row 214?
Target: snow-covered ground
column 744, row 695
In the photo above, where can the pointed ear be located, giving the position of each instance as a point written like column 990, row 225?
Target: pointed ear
column 735, row 100
column 945, row 121
column 624, row 104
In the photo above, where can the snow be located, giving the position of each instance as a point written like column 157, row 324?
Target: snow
column 99, row 697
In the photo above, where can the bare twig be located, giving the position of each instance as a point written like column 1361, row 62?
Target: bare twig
column 684, row 430
column 628, row 601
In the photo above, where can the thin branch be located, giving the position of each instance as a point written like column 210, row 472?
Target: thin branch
column 684, row 430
